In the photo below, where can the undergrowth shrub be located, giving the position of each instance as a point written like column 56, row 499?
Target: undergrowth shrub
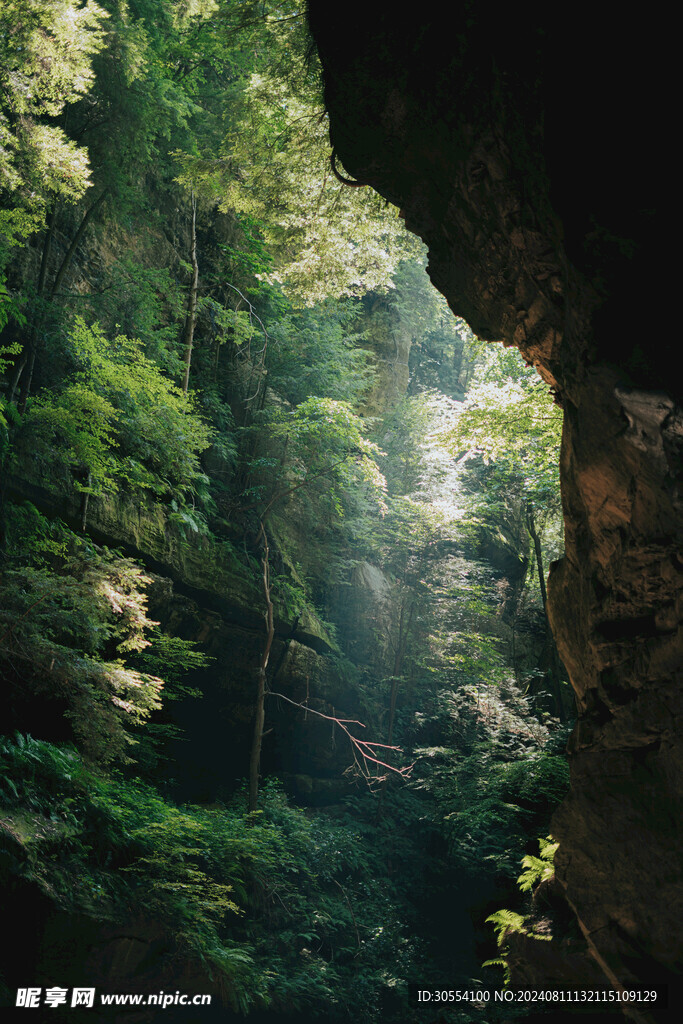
column 276, row 909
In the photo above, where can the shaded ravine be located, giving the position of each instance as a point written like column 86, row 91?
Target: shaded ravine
column 537, row 212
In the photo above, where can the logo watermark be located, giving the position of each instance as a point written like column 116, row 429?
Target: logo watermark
column 55, row 997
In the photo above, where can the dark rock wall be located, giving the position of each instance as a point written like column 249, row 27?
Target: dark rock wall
column 528, row 154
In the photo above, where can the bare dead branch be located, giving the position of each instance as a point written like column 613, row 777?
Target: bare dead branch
column 360, row 748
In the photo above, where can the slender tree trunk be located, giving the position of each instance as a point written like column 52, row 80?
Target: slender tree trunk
column 85, row 501
column 469, row 372
column 75, row 242
column 27, row 375
column 533, row 533
column 18, row 370
column 191, row 317
column 263, row 383
column 515, row 667
column 255, row 758
column 47, row 246
column 24, row 370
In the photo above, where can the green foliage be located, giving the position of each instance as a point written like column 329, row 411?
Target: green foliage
column 507, row 440
column 493, row 819
column 174, row 658
column 8, row 310
column 33, row 538
column 309, row 913
column 120, row 419
column 317, row 352
column 66, row 632
column 277, row 909
column 509, row 420
column 75, row 636
column 275, row 161
column 352, row 242
column 323, row 450
column 78, row 424
column 46, row 51
column 506, row 922
column 142, row 302
column 116, row 849
column 496, row 783
column 403, row 432
column 538, row 869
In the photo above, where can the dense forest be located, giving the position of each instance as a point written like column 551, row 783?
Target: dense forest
column 283, row 717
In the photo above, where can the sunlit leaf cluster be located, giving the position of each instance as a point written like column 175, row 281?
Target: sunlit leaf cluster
column 46, row 52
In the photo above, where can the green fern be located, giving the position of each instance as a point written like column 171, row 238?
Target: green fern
column 500, row 961
column 505, row 921
column 538, row 869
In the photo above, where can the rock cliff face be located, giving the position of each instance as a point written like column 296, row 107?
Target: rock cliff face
column 523, row 153
column 389, row 342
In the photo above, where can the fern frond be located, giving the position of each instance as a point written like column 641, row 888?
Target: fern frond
column 548, row 848
column 505, row 921
column 538, row 869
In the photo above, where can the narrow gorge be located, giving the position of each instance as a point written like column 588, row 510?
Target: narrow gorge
column 339, row 516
